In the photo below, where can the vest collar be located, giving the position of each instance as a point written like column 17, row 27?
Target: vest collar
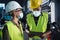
column 15, row 23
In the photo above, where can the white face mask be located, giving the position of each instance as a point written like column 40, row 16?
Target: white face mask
column 36, row 13
column 21, row 15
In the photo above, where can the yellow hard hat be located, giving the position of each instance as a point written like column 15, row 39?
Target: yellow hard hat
column 35, row 3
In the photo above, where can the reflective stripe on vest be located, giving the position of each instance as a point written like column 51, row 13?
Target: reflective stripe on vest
column 41, row 25
column 14, row 32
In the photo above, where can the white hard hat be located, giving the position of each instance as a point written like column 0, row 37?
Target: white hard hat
column 12, row 5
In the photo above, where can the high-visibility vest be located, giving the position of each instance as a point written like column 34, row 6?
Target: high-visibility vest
column 41, row 24
column 14, row 32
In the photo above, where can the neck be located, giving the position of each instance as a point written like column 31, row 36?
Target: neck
column 15, row 19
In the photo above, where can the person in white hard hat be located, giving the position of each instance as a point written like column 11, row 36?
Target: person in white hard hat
column 13, row 29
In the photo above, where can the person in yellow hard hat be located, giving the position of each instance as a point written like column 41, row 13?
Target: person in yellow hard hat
column 13, row 29
column 37, row 21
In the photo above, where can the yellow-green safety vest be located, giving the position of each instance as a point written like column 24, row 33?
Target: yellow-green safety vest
column 41, row 24
column 14, row 32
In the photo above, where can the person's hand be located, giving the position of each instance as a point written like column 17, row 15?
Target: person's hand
column 29, row 34
column 46, row 34
column 27, row 31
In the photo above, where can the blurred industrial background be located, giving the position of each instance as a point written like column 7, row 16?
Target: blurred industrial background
column 54, row 14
